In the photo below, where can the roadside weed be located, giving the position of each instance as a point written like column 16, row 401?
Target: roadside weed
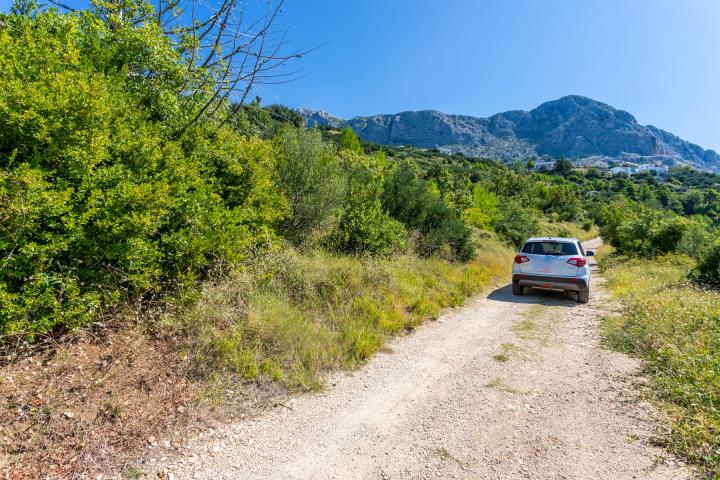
column 292, row 316
column 675, row 328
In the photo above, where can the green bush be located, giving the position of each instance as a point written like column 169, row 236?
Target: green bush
column 412, row 200
column 695, row 241
column 364, row 226
column 349, row 141
column 707, row 271
column 310, row 175
column 483, row 209
column 563, row 203
column 99, row 201
column 650, row 232
column 515, row 223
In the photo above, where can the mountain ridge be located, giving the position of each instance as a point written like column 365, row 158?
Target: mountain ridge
column 573, row 126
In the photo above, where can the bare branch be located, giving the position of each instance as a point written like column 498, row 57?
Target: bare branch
column 229, row 48
column 62, row 5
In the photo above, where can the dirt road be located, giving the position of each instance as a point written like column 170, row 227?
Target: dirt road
column 505, row 387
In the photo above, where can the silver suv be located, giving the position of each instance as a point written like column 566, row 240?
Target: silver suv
column 552, row 263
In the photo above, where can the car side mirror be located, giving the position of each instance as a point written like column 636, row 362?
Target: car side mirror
column 589, row 253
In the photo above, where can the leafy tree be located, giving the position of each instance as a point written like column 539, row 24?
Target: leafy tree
column 613, row 214
column 483, row 210
column 415, row 202
column 284, row 115
column 350, row 141
column 100, row 200
column 694, row 202
column 364, row 227
column 707, row 271
column 563, row 167
column 514, row 222
column 266, row 122
column 563, row 201
column 310, row 175
column 440, row 175
column 460, row 197
column 646, row 231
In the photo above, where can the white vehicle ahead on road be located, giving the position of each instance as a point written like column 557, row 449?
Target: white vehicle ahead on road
column 553, row 263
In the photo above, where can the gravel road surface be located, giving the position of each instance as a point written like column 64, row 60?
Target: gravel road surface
column 504, row 388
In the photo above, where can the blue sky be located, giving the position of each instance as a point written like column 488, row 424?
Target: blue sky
column 657, row 59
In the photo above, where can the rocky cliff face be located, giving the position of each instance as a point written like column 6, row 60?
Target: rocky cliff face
column 319, row 118
column 573, row 127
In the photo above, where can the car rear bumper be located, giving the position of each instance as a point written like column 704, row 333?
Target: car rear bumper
column 577, row 284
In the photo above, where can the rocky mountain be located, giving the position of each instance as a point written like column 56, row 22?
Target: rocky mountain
column 572, row 127
column 319, row 118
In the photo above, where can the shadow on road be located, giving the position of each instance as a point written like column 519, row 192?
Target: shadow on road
column 535, row 296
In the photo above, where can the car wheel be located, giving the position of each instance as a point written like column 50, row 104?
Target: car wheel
column 517, row 289
column 584, row 296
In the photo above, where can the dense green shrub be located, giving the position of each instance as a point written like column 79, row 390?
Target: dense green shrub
column 310, row 175
column 637, row 230
column 611, row 215
column 515, row 223
column 563, row 167
column 482, row 211
column 412, row 200
column 283, row 115
column 562, row 202
column 350, row 141
column 100, row 200
column 695, row 241
column 364, row 227
column 707, row 271
column 648, row 232
column 265, row 122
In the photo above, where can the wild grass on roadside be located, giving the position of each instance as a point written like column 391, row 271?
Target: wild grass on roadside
column 569, row 229
column 291, row 316
column 675, row 328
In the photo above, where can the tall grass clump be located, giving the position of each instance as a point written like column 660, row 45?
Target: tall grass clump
column 291, row 316
column 674, row 327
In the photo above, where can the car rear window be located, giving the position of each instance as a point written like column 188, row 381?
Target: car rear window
column 550, row 248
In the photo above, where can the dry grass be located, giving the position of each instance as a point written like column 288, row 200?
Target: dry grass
column 316, row 312
column 508, row 351
column 501, row 357
column 530, row 326
column 80, row 404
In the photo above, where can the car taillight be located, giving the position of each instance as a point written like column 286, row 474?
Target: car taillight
column 521, row 259
column 577, row 261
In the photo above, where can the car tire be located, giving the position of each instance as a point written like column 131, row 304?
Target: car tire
column 517, row 289
column 584, row 296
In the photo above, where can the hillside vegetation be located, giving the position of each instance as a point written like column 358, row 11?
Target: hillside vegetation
column 675, row 328
column 666, row 268
column 573, row 126
column 233, row 239
column 153, row 233
column 113, row 196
